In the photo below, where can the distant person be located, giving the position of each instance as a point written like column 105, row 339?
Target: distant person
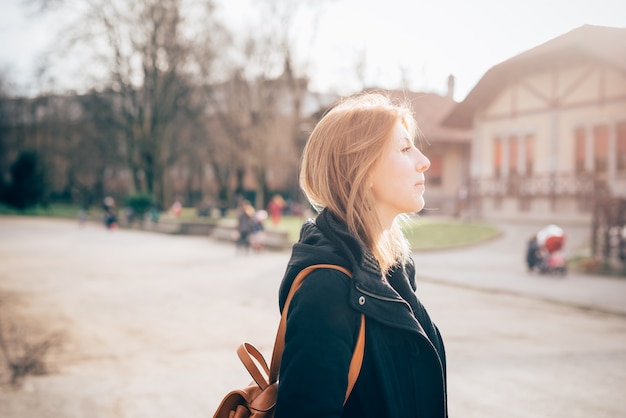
column 82, row 216
column 176, row 209
column 155, row 213
column 223, row 208
column 362, row 171
column 275, row 208
column 533, row 258
column 204, row 208
column 110, row 213
column 461, row 200
column 245, row 226
column 257, row 235
column 130, row 215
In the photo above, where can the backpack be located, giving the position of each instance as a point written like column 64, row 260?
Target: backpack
column 258, row 399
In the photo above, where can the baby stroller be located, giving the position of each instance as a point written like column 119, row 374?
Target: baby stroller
column 545, row 251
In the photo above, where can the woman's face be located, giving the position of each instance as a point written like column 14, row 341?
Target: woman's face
column 398, row 178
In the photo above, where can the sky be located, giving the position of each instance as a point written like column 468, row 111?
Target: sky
column 414, row 44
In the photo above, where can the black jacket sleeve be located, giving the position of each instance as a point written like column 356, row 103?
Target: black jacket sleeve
column 320, row 337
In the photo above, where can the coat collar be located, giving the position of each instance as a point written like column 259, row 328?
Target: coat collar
column 390, row 299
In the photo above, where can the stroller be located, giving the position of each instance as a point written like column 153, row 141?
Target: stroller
column 545, row 251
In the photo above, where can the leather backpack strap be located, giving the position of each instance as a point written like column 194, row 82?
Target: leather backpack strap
column 357, row 360
column 248, row 354
column 279, row 344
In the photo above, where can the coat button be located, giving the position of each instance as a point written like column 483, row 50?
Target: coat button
column 362, row 300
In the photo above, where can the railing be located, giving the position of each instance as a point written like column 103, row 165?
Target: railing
column 540, row 186
column 583, row 189
column 608, row 241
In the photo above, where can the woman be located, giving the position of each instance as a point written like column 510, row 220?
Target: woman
column 361, row 171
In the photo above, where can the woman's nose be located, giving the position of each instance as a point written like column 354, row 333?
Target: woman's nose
column 422, row 164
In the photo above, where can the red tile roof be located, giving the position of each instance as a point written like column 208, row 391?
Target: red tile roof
column 430, row 110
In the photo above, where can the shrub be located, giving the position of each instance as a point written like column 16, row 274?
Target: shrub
column 140, row 203
column 27, row 187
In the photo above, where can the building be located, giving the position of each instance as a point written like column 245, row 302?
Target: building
column 549, row 129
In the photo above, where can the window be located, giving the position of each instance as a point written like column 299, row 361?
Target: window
column 579, row 150
column 601, row 148
column 529, row 144
column 513, row 152
column 621, row 147
column 433, row 175
column 497, row 157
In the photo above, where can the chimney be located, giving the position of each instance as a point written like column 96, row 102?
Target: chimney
column 450, row 86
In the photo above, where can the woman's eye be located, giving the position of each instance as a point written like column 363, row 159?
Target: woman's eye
column 406, row 149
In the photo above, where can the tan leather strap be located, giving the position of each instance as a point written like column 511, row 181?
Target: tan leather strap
column 279, row 345
column 247, row 354
column 357, row 359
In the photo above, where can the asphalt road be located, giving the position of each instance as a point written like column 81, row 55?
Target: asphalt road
column 148, row 324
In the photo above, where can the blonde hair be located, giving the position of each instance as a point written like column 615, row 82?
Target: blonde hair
column 338, row 158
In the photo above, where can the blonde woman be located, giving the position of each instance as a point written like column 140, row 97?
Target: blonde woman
column 362, row 171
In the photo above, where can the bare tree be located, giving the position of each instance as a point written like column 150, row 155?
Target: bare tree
column 145, row 47
column 75, row 135
column 156, row 60
column 94, row 147
column 260, row 107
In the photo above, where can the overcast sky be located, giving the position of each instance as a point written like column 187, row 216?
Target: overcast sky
column 424, row 40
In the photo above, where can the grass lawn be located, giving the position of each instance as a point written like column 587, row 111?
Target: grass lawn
column 53, row 210
column 422, row 233
column 433, row 234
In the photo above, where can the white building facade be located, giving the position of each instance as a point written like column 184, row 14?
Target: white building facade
column 549, row 129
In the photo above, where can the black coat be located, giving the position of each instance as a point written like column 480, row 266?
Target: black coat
column 404, row 369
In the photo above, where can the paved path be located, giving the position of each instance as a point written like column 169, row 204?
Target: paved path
column 150, row 324
column 499, row 266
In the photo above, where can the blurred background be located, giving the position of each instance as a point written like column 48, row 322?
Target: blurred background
column 204, row 103
column 171, row 116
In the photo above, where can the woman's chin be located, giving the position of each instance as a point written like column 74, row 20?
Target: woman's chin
column 420, row 205
column 417, row 207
